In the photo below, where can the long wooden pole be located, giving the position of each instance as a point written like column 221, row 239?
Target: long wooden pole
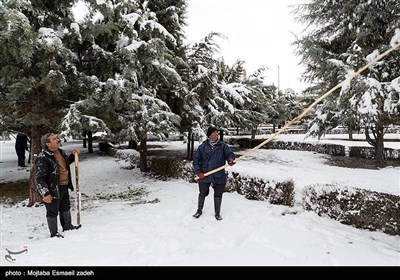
column 78, row 193
column 307, row 110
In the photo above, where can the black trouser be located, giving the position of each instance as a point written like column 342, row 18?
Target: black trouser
column 21, row 161
column 21, row 158
column 204, row 190
column 60, row 204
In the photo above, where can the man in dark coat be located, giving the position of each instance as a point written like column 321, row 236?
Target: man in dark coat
column 210, row 155
column 21, row 146
column 53, row 178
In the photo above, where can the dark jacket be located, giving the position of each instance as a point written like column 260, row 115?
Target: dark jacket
column 47, row 172
column 208, row 158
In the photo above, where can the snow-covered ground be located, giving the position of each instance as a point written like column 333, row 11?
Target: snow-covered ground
column 131, row 220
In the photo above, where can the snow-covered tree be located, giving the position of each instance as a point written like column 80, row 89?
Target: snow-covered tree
column 199, row 77
column 131, row 59
column 343, row 37
column 226, row 97
column 260, row 111
column 284, row 107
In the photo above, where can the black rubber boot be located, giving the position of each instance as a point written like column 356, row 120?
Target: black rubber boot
column 200, row 205
column 217, row 207
column 197, row 214
column 52, row 223
column 65, row 218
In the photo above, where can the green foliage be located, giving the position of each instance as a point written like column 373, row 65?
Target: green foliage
column 124, row 69
column 36, row 64
column 343, row 37
column 134, row 59
column 225, row 96
column 352, row 206
column 281, row 193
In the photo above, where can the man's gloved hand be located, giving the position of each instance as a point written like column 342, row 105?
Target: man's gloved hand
column 201, row 176
column 231, row 162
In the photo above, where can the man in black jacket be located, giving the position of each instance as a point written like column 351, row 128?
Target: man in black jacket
column 53, row 178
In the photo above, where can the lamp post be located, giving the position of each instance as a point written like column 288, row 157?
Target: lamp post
column 278, row 79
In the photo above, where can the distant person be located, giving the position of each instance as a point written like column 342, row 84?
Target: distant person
column 21, row 146
column 211, row 154
column 53, row 178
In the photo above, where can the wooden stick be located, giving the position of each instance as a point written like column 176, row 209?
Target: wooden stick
column 78, row 193
column 307, row 110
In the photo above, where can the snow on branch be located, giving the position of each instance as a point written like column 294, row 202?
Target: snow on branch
column 396, row 38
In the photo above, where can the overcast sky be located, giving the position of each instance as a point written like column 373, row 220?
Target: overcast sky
column 259, row 32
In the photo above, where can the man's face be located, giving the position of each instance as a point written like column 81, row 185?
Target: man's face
column 55, row 142
column 214, row 136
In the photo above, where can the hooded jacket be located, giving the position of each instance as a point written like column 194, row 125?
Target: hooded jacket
column 209, row 157
column 47, row 172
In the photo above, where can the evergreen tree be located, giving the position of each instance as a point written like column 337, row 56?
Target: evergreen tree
column 226, row 97
column 285, row 107
column 260, row 110
column 345, row 36
column 202, row 83
column 228, row 105
column 132, row 61
column 106, row 56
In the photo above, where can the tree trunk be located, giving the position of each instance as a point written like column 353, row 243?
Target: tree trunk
column 189, row 139
column 34, row 196
column 84, row 134
column 370, row 141
column 377, row 143
column 350, row 131
column 253, row 133
column 379, row 148
column 192, row 148
column 143, row 154
column 90, row 142
column 221, row 135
